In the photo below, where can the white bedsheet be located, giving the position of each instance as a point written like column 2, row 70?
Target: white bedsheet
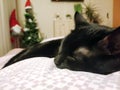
column 40, row 73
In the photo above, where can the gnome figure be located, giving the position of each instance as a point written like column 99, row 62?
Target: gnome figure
column 15, row 30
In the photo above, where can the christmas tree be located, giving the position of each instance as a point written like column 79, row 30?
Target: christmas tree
column 31, row 34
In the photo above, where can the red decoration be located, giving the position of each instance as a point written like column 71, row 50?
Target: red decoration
column 15, row 28
column 28, row 4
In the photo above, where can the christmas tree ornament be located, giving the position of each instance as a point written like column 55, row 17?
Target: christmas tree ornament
column 15, row 28
column 30, row 20
column 28, row 5
column 26, row 29
column 29, row 38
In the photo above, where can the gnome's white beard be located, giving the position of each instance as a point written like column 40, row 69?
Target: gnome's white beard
column 16, row 29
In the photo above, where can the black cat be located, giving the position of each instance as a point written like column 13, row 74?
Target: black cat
column 82, row 50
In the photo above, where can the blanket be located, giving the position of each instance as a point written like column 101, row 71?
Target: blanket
column 41, row 73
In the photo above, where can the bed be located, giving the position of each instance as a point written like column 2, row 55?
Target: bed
column 40, row 73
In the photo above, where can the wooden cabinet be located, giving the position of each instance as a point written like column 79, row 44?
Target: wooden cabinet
column 63, row 27
column 116, row 13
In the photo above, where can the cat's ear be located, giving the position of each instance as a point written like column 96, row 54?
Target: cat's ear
column 78, row 19
column 118, row 29
column 114, row 41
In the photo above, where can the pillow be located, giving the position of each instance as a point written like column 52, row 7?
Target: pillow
column 53, row 38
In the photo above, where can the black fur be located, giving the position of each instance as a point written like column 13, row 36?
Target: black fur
column 80, row 50
column 47, row 49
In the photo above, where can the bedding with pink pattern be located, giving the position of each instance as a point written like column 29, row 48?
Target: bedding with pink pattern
column 40, row 73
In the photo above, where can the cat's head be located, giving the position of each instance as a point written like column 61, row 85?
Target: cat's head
column 85, row 34
column 83, row 40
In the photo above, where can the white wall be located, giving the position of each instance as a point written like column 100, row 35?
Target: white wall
column 6, row 6
column 45, row 11
column 104, row 7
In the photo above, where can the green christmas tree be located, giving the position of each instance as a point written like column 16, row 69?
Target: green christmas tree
column 31, row 34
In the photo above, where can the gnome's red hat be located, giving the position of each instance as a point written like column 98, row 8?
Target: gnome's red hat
column 28, row 4
column 14, row 25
